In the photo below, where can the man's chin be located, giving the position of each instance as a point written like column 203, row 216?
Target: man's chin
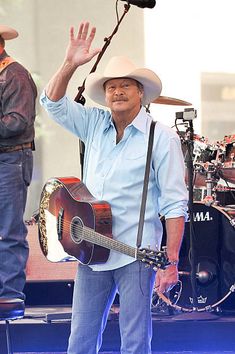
column 119, row 105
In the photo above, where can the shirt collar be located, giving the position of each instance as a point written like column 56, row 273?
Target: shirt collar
column 108, row 122
column 140, row 121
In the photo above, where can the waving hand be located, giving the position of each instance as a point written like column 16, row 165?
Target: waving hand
column 79, row 50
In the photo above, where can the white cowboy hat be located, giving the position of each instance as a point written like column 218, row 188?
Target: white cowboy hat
column 119, row 67
column 7, row 32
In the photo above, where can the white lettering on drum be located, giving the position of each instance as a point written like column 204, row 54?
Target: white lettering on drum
column 201, row 216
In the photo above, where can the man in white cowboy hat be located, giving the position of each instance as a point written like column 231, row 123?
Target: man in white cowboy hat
column 17, row 113
column 115, row 157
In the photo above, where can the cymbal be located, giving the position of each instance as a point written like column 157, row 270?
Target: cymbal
column 171, row 101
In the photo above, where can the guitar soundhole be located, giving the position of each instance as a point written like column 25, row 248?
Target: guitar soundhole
column 76, row 229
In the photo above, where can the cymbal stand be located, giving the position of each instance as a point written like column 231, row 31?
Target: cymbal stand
column 188, row 115
column 211, row 181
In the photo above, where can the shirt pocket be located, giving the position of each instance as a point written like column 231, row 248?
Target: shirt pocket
column 136, row 149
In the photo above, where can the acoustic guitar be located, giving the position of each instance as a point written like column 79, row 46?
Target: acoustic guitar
column 73, row 225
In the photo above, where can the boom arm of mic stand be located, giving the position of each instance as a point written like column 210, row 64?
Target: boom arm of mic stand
column 79, row 97
column 107, row 43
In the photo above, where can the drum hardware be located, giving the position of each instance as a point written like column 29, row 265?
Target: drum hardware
column 189, row 115
column 199, row 194
column 158, row 303
column 164, row 298
column 199, row 147
column 227, row 171
column 207, row 272
column 229, row 142
column 204, row 151
column 232, row 222
column 220, row 153
column 215, row 193
column 160, row 306
column 209, row 170
column 211, row 181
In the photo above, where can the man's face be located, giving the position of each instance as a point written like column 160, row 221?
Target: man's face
column 123, row 94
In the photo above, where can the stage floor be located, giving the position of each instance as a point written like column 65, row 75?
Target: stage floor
column 46, row 329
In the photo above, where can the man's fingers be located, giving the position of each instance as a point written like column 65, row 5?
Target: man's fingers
column 85, row 30
column 71, row 33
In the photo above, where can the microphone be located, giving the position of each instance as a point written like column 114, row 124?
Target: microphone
column 142, row 3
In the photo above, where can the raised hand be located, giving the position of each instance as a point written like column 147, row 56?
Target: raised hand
column 79, row 50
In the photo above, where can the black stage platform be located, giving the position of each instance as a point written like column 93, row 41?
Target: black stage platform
column 46, row 329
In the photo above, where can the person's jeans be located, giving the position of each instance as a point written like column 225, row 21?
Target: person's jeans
column 15, row 177
column 94, row 293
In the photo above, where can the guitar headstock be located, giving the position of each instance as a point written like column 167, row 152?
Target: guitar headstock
column 156, row 259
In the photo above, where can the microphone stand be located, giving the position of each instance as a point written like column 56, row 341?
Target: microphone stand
column 79, row 97
column 188, row 115
column 105, row 46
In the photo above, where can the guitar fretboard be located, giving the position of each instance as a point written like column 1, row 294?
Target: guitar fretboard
column 88, row 234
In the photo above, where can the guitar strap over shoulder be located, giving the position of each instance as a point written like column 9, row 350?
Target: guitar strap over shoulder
column 145, row 186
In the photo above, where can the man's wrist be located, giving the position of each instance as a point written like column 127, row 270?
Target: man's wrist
column 173, row 262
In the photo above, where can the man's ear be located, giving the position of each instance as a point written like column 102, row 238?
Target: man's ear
column 141, row 94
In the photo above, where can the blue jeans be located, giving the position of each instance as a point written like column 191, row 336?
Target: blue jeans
column 15, row 177
column 94, row 293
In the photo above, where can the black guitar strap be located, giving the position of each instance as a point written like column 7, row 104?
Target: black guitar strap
column 145, row 187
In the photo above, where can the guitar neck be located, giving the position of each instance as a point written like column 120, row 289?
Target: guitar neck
column 106, row 242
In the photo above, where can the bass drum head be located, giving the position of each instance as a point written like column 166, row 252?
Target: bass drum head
column 214, row 250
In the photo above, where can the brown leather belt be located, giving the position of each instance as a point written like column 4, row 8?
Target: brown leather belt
column 16, row 147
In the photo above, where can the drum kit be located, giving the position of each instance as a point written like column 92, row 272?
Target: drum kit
column 213, row 228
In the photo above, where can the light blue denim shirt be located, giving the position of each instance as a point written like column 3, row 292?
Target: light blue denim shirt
column 115, row 172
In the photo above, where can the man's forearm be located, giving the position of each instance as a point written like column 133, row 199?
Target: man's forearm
column 57, row 86
column 174, row 231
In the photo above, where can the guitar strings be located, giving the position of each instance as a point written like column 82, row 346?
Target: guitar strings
column 74, row 227
column 82, row 231
column 105, row 240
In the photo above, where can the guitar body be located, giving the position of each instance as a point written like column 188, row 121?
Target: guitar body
column 66, row 206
